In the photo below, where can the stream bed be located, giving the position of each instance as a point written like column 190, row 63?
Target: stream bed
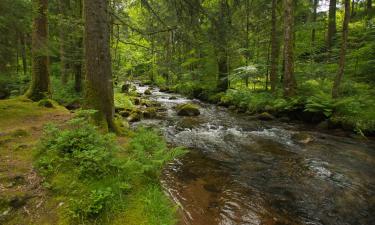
column 244, row 171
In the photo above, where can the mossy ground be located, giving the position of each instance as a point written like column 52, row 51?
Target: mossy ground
column 24, row 200
column 23, row 197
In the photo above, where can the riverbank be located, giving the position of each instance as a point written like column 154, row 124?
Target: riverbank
column 55, row 175
column 315, row 107
column 242, row 170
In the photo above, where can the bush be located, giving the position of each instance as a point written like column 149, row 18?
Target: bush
column 64, row 94
column 95, row 176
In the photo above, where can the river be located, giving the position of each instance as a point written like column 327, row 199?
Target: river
column 244, row 171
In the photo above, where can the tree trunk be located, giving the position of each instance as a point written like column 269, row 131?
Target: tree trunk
column 63, row 33
column 369, row 5
column 40, row 82
column 223, row 81
column 223, row 26
column 331, row 24
column 340, row 72
column 274, row 48
column 315, row 7
column 289, row 80
column 99, row 86
column 353, row 8
column 23, row 53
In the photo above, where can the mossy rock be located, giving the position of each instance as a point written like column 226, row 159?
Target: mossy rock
column 265, row 116
column 125, row 88
column 137, row 101
column 135, row 116
column 74, row 105
column 149, row 103
column 150, row 113
column 46, row 103
column 188, row 109
column 164, row 89
column 172, row 98
column 148, row 92
column 125, row 113
column 302, row 138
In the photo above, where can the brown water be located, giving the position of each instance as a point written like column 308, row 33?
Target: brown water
column 241, row 171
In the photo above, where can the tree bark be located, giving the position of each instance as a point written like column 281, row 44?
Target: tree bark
column 274, row 48
column 314, row 15
column 331, row 24
column 64, row 6
column 99, row 85
column 369, row 5
column 345, row 31
column 223, row 26
column 289, row 80
column 40, row 82
column 23, row 53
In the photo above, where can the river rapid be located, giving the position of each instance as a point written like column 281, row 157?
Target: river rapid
column 244, row 171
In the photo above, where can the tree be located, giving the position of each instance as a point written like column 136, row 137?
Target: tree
column 369, row 4
column 64, row 7
column 331, row 24
column 345, row 31
column 99, row 85
column 274, row 48
column 40, row 83
column 313, row 32
column 289, row 80
column 222, row 27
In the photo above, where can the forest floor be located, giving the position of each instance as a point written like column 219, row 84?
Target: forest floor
column 23, row 200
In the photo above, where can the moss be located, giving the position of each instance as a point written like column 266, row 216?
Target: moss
column 188, row 109
column 148, row 92
column 20, row 133
column 16, row 110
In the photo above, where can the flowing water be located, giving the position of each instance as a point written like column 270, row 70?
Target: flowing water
column 243, row 171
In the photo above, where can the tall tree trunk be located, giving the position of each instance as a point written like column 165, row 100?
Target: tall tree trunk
column 64, row 6
column 78, row 56
column 78, row 69
column 331, row 24
column 223, row 81
column 369, row 5
column 40, row 82
column 345, row 31
column 353, row 8
column 289, row 80
column 99, row 86
column 274, row 48
column 313, row 32
column 223, row 26
column 23, row 53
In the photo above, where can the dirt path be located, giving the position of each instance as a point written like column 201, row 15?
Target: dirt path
column 23, row 200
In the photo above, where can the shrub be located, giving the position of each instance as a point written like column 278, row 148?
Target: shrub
column 94, row 175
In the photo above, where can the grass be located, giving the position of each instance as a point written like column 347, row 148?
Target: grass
column 124, row 190
column 14, row 111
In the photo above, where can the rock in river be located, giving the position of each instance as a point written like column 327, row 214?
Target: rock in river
column 188, row 110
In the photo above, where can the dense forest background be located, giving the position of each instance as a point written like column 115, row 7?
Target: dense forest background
column 91, row 67
column 259, row 56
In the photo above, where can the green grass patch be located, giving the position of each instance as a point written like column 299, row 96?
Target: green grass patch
column 98, row 180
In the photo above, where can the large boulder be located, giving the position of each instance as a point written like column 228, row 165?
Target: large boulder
column 147, row 92
column 188, row 109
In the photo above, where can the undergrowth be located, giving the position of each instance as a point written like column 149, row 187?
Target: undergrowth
column 96, row 179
